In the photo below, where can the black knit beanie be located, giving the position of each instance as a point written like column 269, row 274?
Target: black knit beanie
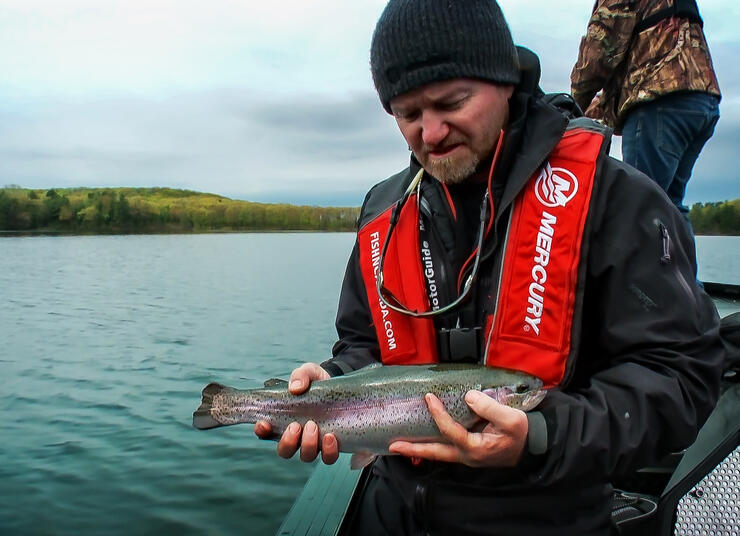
column 417, row 42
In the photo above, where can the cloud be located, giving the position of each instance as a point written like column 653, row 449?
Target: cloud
column 715, row 176
column 256, row 100
column 234, row 143
column 87, row 46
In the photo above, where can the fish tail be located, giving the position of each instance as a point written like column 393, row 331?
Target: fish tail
column 203, row 418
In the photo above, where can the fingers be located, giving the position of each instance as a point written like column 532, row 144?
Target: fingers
column 301, row 378
column 504, row 438
column 263, row 429
column 450, row 428
column 439, row 452
column 490, row 410
column 290, row 441
column 329, row 449
column 310, row 442
column 307, row 440
column 500, row 442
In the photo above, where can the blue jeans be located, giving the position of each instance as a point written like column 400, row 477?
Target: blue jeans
column 663, row 139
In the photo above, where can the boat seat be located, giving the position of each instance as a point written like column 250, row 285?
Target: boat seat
column 702, row 494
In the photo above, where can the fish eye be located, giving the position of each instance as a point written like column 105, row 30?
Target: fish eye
column 522, row 388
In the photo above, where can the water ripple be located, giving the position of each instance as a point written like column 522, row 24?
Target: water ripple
column 102, row 369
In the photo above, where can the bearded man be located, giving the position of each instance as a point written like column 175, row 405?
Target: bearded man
column 513, row 240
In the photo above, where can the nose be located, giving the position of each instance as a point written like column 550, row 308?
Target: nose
column 434, row 128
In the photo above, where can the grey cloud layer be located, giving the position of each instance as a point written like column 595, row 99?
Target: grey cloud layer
column 317, row 149
column 126, row 119
column 237, row 144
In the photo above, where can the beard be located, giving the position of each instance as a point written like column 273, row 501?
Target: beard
column 452, row 170
column 458, row 168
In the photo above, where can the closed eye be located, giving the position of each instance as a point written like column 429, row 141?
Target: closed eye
column 406, row 115
column 451, row 106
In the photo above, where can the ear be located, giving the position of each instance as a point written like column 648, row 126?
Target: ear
column 508, row 91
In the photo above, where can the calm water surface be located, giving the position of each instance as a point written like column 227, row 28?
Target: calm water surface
column 105, row 344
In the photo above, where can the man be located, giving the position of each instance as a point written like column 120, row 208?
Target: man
column 513, row 241
column 651, row 63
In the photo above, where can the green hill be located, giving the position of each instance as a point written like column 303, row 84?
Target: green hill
column 145, row 210
column 141, row 210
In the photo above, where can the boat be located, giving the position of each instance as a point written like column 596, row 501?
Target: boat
column 681, row 495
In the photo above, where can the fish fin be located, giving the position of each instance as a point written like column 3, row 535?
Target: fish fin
column 203, row 417
column 361, row 459
column 276, row 382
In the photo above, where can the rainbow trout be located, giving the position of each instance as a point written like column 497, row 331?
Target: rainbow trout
column 370, row 408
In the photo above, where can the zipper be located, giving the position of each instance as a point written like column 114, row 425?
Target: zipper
column 498, row 284
column 665, row 258
column 666, row 243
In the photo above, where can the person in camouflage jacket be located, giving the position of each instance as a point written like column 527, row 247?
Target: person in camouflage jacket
column 652, row 82
column 630, row 68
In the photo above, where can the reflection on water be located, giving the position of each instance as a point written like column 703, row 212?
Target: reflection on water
column 719, row 258
column 105, row 344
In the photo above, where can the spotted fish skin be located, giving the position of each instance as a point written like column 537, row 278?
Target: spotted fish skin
column 370, row 408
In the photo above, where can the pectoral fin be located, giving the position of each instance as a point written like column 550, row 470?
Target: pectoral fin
column 276, row 382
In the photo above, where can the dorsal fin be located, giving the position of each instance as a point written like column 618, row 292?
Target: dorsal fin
column 366, row 368
column 276, row 382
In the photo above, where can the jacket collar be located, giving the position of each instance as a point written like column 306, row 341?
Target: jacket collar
column 533, row 134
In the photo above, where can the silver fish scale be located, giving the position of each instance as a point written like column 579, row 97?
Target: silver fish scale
column 374, row 427
column 369, row 409
column 712, row 507
column 366, row 417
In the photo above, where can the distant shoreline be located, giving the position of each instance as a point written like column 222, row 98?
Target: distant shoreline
column 82, row 211
column 124, row 211
column 42, row 232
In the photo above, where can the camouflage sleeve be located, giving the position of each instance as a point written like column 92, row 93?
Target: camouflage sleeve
column 603, row 48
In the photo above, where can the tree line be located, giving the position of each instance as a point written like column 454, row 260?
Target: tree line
column 721, row 218
column 131, row 210
column 142, row 210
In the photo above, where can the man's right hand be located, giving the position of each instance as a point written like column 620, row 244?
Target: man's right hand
column 308, row 437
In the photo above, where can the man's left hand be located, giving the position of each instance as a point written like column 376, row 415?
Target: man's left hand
column 500, row 443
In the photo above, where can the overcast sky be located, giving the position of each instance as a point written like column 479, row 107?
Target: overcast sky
column 266, row 101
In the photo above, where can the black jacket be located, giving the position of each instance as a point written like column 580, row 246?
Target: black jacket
column 648, row 357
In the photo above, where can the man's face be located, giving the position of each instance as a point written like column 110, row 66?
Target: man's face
column 453, row 126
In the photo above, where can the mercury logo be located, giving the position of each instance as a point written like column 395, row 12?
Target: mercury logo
column 555, row 186
column 536, row 298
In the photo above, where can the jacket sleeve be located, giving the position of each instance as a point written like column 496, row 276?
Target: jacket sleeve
column 650, row 357
column 602, row 49
column 357, row 346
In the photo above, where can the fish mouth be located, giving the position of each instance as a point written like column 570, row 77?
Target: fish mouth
column 531, row 400
column 524, row 400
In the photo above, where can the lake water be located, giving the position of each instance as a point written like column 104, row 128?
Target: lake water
column 105, row 344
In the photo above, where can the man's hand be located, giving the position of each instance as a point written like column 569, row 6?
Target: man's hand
column 306, row 438
column 500, row 443
column 595, row 109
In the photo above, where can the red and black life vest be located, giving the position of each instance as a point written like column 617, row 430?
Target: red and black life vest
column 531, row 327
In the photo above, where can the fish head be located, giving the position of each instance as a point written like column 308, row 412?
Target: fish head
column 523, row 392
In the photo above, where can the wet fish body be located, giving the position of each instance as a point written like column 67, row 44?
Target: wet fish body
column 370, row 408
